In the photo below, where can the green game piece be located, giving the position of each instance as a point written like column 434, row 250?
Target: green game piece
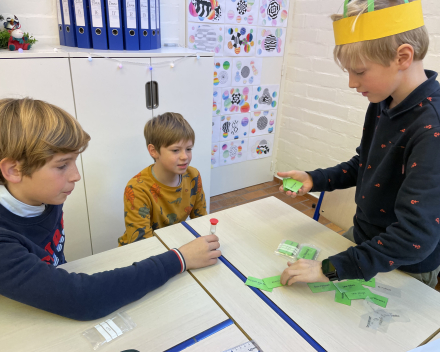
column 376, row 299
column 258, row 283
column 342, row 298
column 273, row 282
column 307, row 253
column 288, row 247
column 289, row 184
column 371, row 283
column 317, row 287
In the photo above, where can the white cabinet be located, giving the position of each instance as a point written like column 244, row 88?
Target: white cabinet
column 110, row 104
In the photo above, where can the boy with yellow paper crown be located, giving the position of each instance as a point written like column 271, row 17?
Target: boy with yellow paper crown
column 397, row 170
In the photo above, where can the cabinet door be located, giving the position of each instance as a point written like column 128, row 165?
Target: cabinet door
column 111, row 106
column 186, row 88
column 48, row 79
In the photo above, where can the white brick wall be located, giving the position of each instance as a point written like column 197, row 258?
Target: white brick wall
column 320, row 118
column 39, row 18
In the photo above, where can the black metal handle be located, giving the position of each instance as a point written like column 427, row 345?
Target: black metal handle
column 152, row 95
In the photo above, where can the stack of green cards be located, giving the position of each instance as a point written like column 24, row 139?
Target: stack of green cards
column 289, row 184
column 306, row 253
column 288, row 247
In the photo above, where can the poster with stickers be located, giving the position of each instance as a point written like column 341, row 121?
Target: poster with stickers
column 232, row 152
column 236, row 100
column 206, row 37
column 217, row 102
column 215, row 154
column 222, row 72
column 234, row 127
column 273, row 13
column 270, row 41
column 242, row 11
column 216, row 129
column 265, row 97
column 262, row 122
column 260, row 147
column 239, row 40
column 246, row 71
column 212, row 11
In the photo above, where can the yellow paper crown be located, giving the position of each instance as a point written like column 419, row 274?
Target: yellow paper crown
column 378, row 24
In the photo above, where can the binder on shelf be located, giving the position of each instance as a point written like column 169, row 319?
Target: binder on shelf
column 144, row 25
column 131, row 26
column 98, row 24
column 69, row 23
column 114, row 25
column 158, row 35
column 60, row 23
column 82, row 24
column 153, row 24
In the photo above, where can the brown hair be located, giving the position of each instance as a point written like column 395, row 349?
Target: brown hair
column 382, row 50
column 32, row 131
column 166, row 129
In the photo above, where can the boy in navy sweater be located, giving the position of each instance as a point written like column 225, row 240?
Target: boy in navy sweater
column 397, row 167
column 39, row 145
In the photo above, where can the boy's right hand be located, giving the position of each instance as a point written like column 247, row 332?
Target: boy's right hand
column 300, row 176
column 201, row 252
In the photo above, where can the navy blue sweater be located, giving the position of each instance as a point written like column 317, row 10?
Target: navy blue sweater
column 30, row 250
column 397, row 179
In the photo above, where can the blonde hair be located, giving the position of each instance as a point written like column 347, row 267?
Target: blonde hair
column 166, row 129
column 32, row 131
column 382, row 50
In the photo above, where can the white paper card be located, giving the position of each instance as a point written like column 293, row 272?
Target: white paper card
column 265, row 97
column 270, row 41
column 206, row 37
column 260, row 146
column 239, row 40
column 144, row 14
column 236, row 100
column 234, row 127
column 215, row 129
column 232, row 152
column 79, row 13
column 262, row 122
column 131, row 13
column 104, row 334
column 242, row 11
column 66, row 12
column 96, row 13
column 60, row 20
column 113, row 11
column 153, row 14
column 222, row 72
column 246, row 71
column 273, row 13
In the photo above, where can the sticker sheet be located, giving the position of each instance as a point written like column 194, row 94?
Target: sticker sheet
column 262, row 122
column 215, row 129
column 242, row 11
column 239, row 40
column 206, row 11
column 232, row 152
column 270, row 41
column 273, row 13
column 222, row 72
column 234, row 127
column 236, row 100
column 246, row 71
column 265, row 97
column 206, row 37
column 260, row 147
column 217, row 102
column 215, row 155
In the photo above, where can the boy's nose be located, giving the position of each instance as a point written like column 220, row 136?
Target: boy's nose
column 352, row 81
column 76, row 176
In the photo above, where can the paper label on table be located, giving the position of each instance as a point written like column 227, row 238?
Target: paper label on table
column 114, row 327
column 79, row 13
column 342, row 298
column 96, row 13
column 144, row 14
column 66, row 12
column 349, row 286
column 290, row 184
column 317, row 287
column 388, row 290
column 357, row 294
column 371, row 283
column 307, row 253
column 376, row 299
column 113, row 11
column 109, row 330
column 131, row 13
column 273, row 282
column 287, row 249
column 258, row 283
column 101, row 330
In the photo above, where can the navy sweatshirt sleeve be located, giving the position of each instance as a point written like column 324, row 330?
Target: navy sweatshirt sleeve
column 24, row 277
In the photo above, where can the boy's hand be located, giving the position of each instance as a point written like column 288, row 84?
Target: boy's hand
column 303, row 270
column 300, row 176
column 201, row 252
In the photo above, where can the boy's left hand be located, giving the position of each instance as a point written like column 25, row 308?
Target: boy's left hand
column 303, row 270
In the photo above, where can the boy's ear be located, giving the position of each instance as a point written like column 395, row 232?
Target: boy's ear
column 10, row 170
column 405, row 56
column 153, row 151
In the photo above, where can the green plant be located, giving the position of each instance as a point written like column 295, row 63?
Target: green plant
column 4, row 37
column 31, row 39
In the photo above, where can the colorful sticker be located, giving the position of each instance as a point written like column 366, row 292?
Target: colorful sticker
column 236, row 100
column 234, row 127
column 265, row 97
column 262, row 122
column 260, row 147
column 206, row 11
column 273, row 13
column 270, row 41
column 232, row 152
column 222, row 72
column 239, row 41
column 242, row 11
column 246, row 71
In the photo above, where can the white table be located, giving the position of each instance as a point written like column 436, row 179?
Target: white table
column 249, row 235
column 223, row 340
column 165, row 317
column 244, row 307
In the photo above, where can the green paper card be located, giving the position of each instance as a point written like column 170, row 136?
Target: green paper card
column 371, row 283
column 307, row 253
column 289, row 184
column 342, row 298
column 317, row 287
column 357, row 294
column 273, row 282
column 376, row 299
column 349, row 286
column 288, row 247
column 258, row 283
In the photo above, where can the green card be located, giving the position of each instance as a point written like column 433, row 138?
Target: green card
column 258, row 283
column 288, row 247
column 342, row 298
column 357, row 294
column 289, row 184
column 272, row 282
column 317, row 287
column 349, row 286
column 307, row 253
column 371, row 283
column 376, row 299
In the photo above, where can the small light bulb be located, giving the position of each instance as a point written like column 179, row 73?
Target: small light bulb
column 172, row 64
column 119, row 65
column 198, row 56
column 90, row 58
column 20, row 50
column 151, row 68
column 55, row 49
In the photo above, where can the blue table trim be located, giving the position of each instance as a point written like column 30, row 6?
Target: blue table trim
column 260, row 294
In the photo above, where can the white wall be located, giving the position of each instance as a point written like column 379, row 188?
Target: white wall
column 321, row 119
column 39, row 18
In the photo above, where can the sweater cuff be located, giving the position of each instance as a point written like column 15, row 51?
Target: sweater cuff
column 181, row 259
column 345, row 267
column 319, row 181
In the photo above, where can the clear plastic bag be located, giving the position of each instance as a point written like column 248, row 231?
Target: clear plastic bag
column 109, row 330
column 308, row 251
column 288, row 249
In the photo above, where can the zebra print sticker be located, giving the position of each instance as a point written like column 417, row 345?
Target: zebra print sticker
column 206, row 10
column 273, row 13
